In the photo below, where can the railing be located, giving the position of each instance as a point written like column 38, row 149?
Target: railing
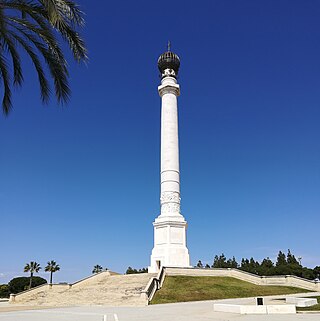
column 161, row 277
column 152, row 288
column 155, row 284
column 92, row 276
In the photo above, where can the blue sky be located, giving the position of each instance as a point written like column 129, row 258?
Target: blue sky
column 80, row 184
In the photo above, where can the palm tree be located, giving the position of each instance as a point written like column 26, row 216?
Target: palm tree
column 52, row 267
column 35, row 27
column 97, row 269
column 32, row 267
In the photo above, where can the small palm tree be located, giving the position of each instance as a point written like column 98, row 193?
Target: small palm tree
column 97, row 269
column 32, row 267
column 52, row 267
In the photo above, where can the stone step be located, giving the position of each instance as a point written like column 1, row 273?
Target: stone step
column 104, row 289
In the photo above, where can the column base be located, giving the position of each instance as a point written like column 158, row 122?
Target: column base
column 169, row 243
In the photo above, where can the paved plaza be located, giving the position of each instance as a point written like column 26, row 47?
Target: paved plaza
column 190, row 311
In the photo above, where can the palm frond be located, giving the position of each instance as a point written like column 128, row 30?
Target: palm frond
column 76, row 43
column 5, row 77
column 58, row 71
column 63, row 10
column 43, row 32
column 64, row 16
column 33, row 25
column 43, row 82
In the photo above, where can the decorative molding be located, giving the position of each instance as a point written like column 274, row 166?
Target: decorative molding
column 170, row 202
column 169, row 72
column 170, row 170
column 170, row 181
column 170, row 197
column 169, row 89
column 170, row 208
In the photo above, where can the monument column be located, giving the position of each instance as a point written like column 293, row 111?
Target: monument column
column 170, row 226
column 170, row 174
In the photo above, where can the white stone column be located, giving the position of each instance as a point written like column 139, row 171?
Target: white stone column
column 170, row 248
column 169, row 90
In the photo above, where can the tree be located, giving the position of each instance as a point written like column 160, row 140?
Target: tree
column 52, row 267
column 250, row 266
column 130, row 270
column 222, row 262
column 34, row 28
column 143, row 270
column 20, row 284
column 32, row 267
column 199, row 264
column 291, row 259
column 266, row 267
column 267, row 263
column 219, row 261
column 97, row 269
column 244, row 264
column 232, row 263
column 4, row 291
column 281, row 259
column 316, row 272
column 215, row 261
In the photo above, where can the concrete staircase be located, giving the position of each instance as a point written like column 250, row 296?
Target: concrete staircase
column 101, row 289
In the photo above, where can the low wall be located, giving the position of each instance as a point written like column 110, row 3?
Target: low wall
column 281, row 280
column 255, row 309
column 20, row 297
column 97, row 277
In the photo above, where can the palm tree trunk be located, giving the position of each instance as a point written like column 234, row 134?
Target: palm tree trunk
column 51, row 277
column 30, row 283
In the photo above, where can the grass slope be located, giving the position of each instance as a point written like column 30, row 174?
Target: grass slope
column 313, row 308
column 198, row 288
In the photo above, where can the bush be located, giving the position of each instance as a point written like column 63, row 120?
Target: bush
column 20, row 284
column 4, row 291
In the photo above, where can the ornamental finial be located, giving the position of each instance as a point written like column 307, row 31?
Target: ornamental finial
column 168, row 63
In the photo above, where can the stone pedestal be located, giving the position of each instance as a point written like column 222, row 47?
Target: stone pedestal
column 169, row 245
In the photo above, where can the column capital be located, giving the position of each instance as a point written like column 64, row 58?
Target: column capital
column 169, row 89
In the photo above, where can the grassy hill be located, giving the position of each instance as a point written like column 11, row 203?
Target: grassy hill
column 198, row 288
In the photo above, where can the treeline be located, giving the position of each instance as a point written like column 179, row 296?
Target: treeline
column 284, row 265
column 130, row 270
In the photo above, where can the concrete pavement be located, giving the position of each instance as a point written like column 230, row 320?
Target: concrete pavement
column 188, row 311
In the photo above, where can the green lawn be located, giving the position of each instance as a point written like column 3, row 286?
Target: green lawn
column 198, row 288
column 313, row 308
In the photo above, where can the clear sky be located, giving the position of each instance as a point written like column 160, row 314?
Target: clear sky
column 80, row 184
